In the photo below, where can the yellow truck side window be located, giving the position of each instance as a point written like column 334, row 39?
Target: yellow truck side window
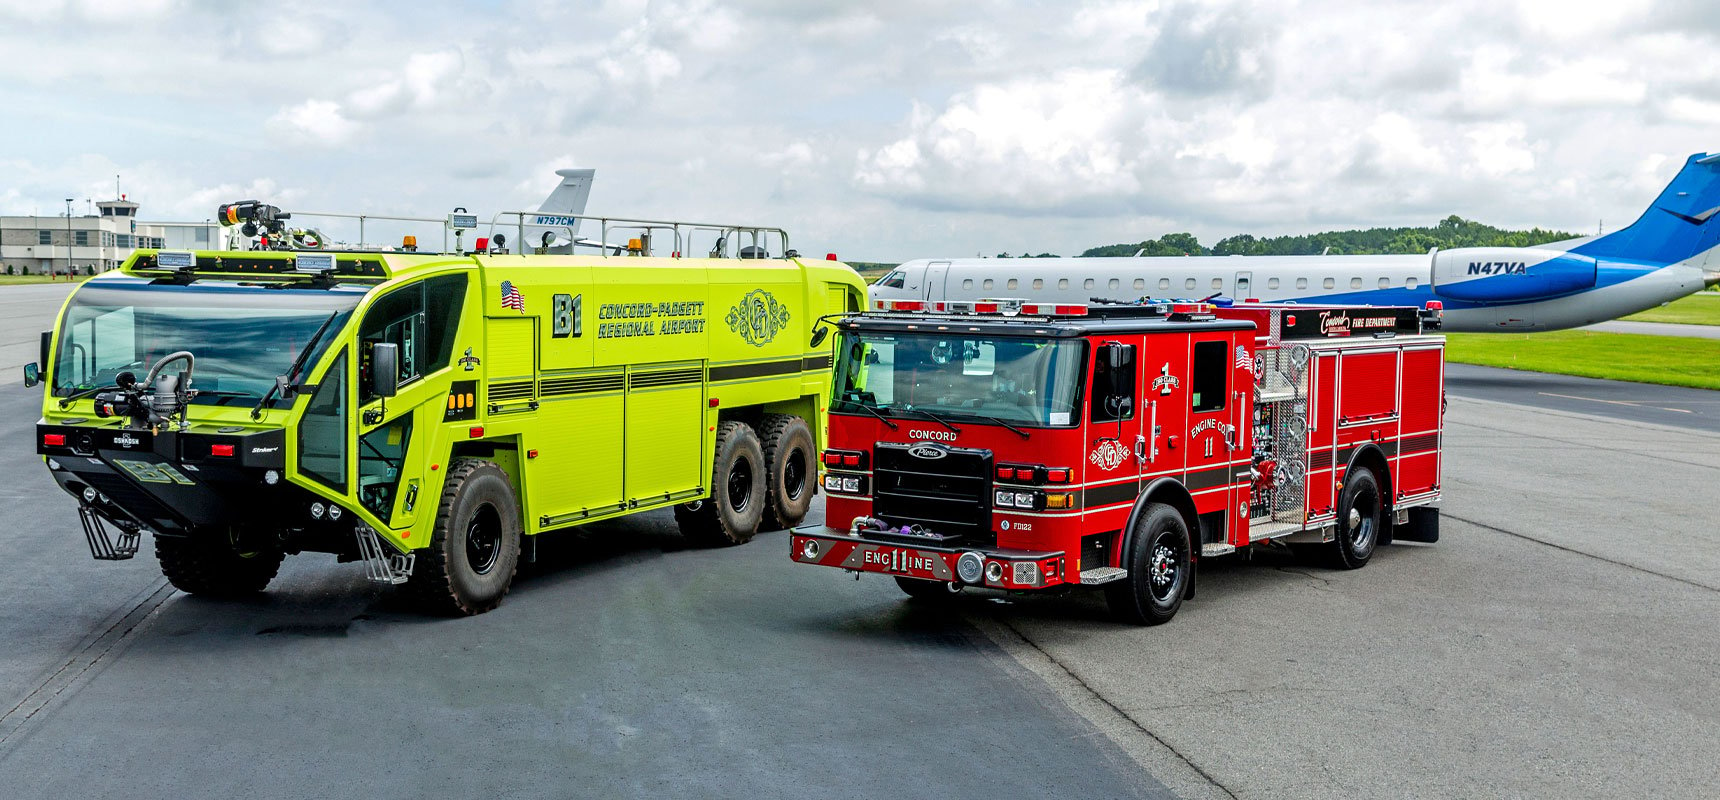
column 322, row 432
column 422, row 319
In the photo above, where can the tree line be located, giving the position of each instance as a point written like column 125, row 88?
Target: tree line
column 1453, row 231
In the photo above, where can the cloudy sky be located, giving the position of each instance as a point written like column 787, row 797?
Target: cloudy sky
column 881, row 130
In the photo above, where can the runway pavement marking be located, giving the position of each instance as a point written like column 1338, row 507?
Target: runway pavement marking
column 1614, row 402
column 1556, row 546
column 82, row 662
column 1159, row 758
column 1585, row 445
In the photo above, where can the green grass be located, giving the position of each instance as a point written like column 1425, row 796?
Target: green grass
column 1702, row 308
column 11, row 280
column 1670, row 360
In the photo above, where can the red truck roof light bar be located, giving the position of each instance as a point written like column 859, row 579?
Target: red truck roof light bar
column 1008, row 308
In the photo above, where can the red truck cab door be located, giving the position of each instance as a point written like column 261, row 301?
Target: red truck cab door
column 1217, row 398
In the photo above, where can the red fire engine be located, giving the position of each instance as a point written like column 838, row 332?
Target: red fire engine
column 1028, row 447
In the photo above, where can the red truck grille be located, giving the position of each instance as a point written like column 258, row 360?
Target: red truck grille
column 949, row 493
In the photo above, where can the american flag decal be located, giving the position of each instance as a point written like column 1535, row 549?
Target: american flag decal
column 511, row 297
column 1242, row 359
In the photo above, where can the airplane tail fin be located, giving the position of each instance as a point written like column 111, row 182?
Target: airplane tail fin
column 555, row 227
column 1678, row 226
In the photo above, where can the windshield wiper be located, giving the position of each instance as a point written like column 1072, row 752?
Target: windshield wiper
column 1019, row 432
column 292, row 371
column 936, row 418
column 874, row 412
column 79, row 395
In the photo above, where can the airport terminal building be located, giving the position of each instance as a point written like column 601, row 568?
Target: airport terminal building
column 90, row 243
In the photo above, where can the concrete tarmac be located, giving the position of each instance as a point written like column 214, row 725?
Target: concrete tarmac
column 1657, row 328
column 1557, row 642
column 622, row 665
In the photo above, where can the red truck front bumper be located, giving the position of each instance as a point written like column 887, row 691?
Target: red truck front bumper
column 873, row 551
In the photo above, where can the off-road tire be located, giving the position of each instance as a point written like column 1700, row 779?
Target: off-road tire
column 475, row 547
column 731, row 515
column 1160, row 539
column 1356, row 543
column 926, row 591
column 791, row 470
column 209, row 565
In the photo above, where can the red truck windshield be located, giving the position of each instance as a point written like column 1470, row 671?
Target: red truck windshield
column 1024, row 382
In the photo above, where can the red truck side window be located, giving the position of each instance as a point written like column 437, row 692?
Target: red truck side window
column 1208, row 380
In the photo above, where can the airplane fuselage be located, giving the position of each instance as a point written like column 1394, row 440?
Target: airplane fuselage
column 1606, row 289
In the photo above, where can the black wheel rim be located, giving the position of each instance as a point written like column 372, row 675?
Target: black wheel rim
column 740, row 485
column 484, row 540
column 1165, row 568
column 1364, row 521
column 794, row 474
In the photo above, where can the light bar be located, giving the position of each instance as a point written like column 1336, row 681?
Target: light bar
column 899, row 305
column 314, row 263
column 176, row 260
column 1054, row 310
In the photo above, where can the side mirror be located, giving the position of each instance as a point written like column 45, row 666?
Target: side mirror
column 32, row 375
column 818, row 335
column 1118, row 356
column 384, row 369
column 45, row 357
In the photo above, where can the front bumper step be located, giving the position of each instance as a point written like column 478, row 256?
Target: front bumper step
column 1098, row 575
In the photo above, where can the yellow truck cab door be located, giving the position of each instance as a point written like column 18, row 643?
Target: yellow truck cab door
column 421, row 319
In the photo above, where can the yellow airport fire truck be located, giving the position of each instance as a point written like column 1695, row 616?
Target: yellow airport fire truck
column 431, row 414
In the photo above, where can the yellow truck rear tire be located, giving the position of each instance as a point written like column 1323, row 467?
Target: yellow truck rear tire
column 790, row 470
column 731, row 515
column 475, row 547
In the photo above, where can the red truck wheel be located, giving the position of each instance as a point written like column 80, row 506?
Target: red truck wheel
column 1361, row 518
column 1157, row 556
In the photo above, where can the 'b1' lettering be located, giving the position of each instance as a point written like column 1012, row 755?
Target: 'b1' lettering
column 565, row 316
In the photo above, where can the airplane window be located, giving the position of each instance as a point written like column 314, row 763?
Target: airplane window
column 1355, row 283
column 1271, row 283
column 1062, row 283
column 1409, row 283
column 1188, row 284
column 967, row 283
column 1038, row 283
column 1301, row 283
column 1140, row 283
column 1114, row 284
column 1385, row 282
column 987, row 284
column 894, row 280
column 1218, row 283
column 1164, row 283
column 1328, row 283
column 1012, row 283
column 1087, row 284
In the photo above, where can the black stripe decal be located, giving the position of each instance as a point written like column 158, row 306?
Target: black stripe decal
column 735, row 372
column 1418, row 444
column 815, row 362
column 1209, row 478
column 1107, row 495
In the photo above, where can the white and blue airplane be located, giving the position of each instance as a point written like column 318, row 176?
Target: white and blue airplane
column 1668, row 253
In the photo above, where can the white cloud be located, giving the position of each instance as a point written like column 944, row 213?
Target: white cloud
column 883, row 130
column 314, row 122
